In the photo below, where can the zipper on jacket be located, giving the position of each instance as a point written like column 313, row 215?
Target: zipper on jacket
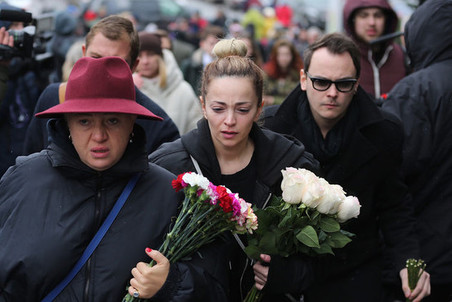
column 97, row 210
column 376, row 68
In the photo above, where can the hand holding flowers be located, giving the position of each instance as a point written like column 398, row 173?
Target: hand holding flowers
column 206, row 212
column 306, row 219
column 416, row 279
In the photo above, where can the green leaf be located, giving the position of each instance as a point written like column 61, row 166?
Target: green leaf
column 268, row 243
column 324, row 249
column 339, row 240
column 253, row 251
column 329, row 225
column 308, row 236
column 286, row 221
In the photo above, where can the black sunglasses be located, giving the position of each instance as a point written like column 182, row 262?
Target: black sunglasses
column 320, row 84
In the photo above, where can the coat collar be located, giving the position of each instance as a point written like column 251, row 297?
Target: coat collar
column 280, row 152
column 360, row 149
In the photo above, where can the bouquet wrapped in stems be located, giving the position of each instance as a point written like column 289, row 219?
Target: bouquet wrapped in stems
column 306, row 219
column 206, row 212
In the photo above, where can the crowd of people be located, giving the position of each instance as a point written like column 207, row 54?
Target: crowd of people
column 86, row 162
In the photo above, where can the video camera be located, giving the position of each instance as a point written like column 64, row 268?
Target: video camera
column 29, row 42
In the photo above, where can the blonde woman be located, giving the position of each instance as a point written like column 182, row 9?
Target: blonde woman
column 229, row 148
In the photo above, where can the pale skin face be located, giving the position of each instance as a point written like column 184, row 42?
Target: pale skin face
column 149, row 64
column 328, row 107
column 100, row 139
column 230, row 107
column 369, row 23
column 208, row 44
column 284, row 57
column 101, row 46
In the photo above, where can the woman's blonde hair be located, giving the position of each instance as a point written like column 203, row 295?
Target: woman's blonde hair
column 231, row 61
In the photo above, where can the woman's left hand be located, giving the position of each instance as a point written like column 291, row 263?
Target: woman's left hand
column 147, row 280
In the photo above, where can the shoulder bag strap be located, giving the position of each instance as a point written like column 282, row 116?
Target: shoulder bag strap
column 96, row 239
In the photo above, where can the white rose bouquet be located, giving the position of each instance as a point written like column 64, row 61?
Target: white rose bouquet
column 306, row 219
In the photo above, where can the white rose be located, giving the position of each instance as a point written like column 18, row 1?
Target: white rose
column 300, row 185
column 348, row 209
column 292, row 186
column 313, row 190
column 334, row 195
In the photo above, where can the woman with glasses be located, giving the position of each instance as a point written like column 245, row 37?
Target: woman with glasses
column 359, row 148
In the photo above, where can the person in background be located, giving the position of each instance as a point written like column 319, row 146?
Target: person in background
column 192, row 68
column 65, row 35
column 313, row 33
column 383, row 64
column 21, row 89
column 360, row 148
column 254, row 49
column 112, row 36
column 74, row 53
column 282, row 71
column 159, row 77
column 180, row 49
column 229, row 148
column 422, row 101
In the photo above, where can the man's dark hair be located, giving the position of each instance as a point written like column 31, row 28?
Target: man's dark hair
column 335, row 43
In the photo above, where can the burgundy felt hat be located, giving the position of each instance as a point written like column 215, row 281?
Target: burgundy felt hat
column 102, row 85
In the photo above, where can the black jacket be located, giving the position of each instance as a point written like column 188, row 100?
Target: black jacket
column 366, row 164
column 16, row 110
column 273, row 153
column 423, row 101
column 157, row 132
column 51, row 205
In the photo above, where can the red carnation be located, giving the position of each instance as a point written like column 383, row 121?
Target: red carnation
column 177, row 183
column 225, row 199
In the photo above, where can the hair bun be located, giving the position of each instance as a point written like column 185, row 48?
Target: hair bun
column 230, row 47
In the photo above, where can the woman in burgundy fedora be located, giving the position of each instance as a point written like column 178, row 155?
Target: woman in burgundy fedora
column 52, row 203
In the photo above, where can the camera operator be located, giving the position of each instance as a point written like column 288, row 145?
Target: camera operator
column 19, row 92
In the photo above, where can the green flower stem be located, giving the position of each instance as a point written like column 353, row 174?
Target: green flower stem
column 415, row 269
column 254, row 295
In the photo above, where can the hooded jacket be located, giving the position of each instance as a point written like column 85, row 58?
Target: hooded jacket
column 365, row 163
column 51, row 206
column 422, row 101
column 273, row 153
column 381, row 70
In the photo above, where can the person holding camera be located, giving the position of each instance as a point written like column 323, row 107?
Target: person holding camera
column 19, row 92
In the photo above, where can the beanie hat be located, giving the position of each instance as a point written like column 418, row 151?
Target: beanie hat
column 150, row 42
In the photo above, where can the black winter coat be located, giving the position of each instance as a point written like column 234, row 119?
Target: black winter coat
column 273, row 153
column 366, row 165
column 423, row 101
column 157, row 132
column 51, row 205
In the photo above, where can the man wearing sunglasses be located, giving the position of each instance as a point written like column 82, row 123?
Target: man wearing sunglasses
column 358, row 148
